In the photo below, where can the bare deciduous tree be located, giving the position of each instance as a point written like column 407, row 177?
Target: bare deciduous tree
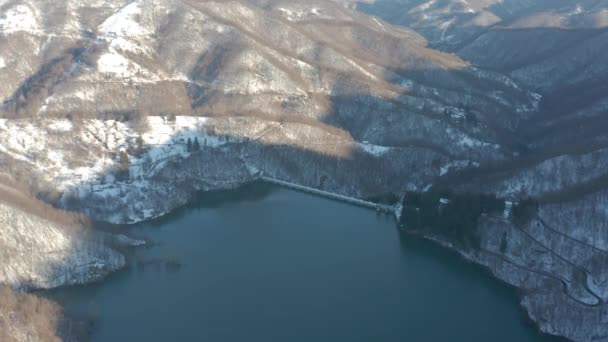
column 29, row 316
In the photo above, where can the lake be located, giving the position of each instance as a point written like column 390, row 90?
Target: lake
column 264, row 263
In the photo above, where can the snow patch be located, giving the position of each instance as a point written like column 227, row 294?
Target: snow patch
column 466, row 141
column 379, row 23
column 375, row 150
column 425, row 6
column 61, row 125
column 2, row 63
column 124, row 22
column 361, row 69
column 123, row 30
column 295, row 15
column 113, row 62
column 457, row 165
column 288, row 13
column 536, row 96
column 19, row 18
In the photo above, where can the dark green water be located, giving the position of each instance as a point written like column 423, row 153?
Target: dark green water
column 268, row 264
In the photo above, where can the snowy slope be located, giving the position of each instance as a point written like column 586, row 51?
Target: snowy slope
column 38, row 254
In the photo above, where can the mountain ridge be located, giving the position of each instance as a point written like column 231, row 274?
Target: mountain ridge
column 99, row 99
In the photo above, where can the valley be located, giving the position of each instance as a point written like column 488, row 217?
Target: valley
column 125, row 111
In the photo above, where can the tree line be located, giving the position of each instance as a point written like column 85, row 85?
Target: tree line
column 453, row 216
column 193, row 146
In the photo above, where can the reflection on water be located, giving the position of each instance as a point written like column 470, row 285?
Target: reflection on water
column 267, row 264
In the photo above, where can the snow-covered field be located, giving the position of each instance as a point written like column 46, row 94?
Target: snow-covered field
column 20, row 18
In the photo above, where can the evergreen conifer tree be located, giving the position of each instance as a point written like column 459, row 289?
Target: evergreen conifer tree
column 140, row 145
column 196, row 146
column 124, row 165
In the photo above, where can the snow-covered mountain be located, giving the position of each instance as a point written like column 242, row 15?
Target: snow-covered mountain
column 553, row 47
column 363, row 98
column 374, row 90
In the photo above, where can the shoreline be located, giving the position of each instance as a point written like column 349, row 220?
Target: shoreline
column 487, row 270
column 127, row 228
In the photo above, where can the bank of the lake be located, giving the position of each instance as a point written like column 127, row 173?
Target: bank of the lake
column 268, row 264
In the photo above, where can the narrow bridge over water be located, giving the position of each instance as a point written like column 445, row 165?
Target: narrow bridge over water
column 379, row 207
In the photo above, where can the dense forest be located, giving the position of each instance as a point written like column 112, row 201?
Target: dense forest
column 453, row 216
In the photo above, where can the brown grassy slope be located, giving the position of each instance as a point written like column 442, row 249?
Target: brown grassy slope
column 27, row 317
column 17, row 195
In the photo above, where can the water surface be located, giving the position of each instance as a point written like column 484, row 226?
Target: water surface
column 268, row 264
